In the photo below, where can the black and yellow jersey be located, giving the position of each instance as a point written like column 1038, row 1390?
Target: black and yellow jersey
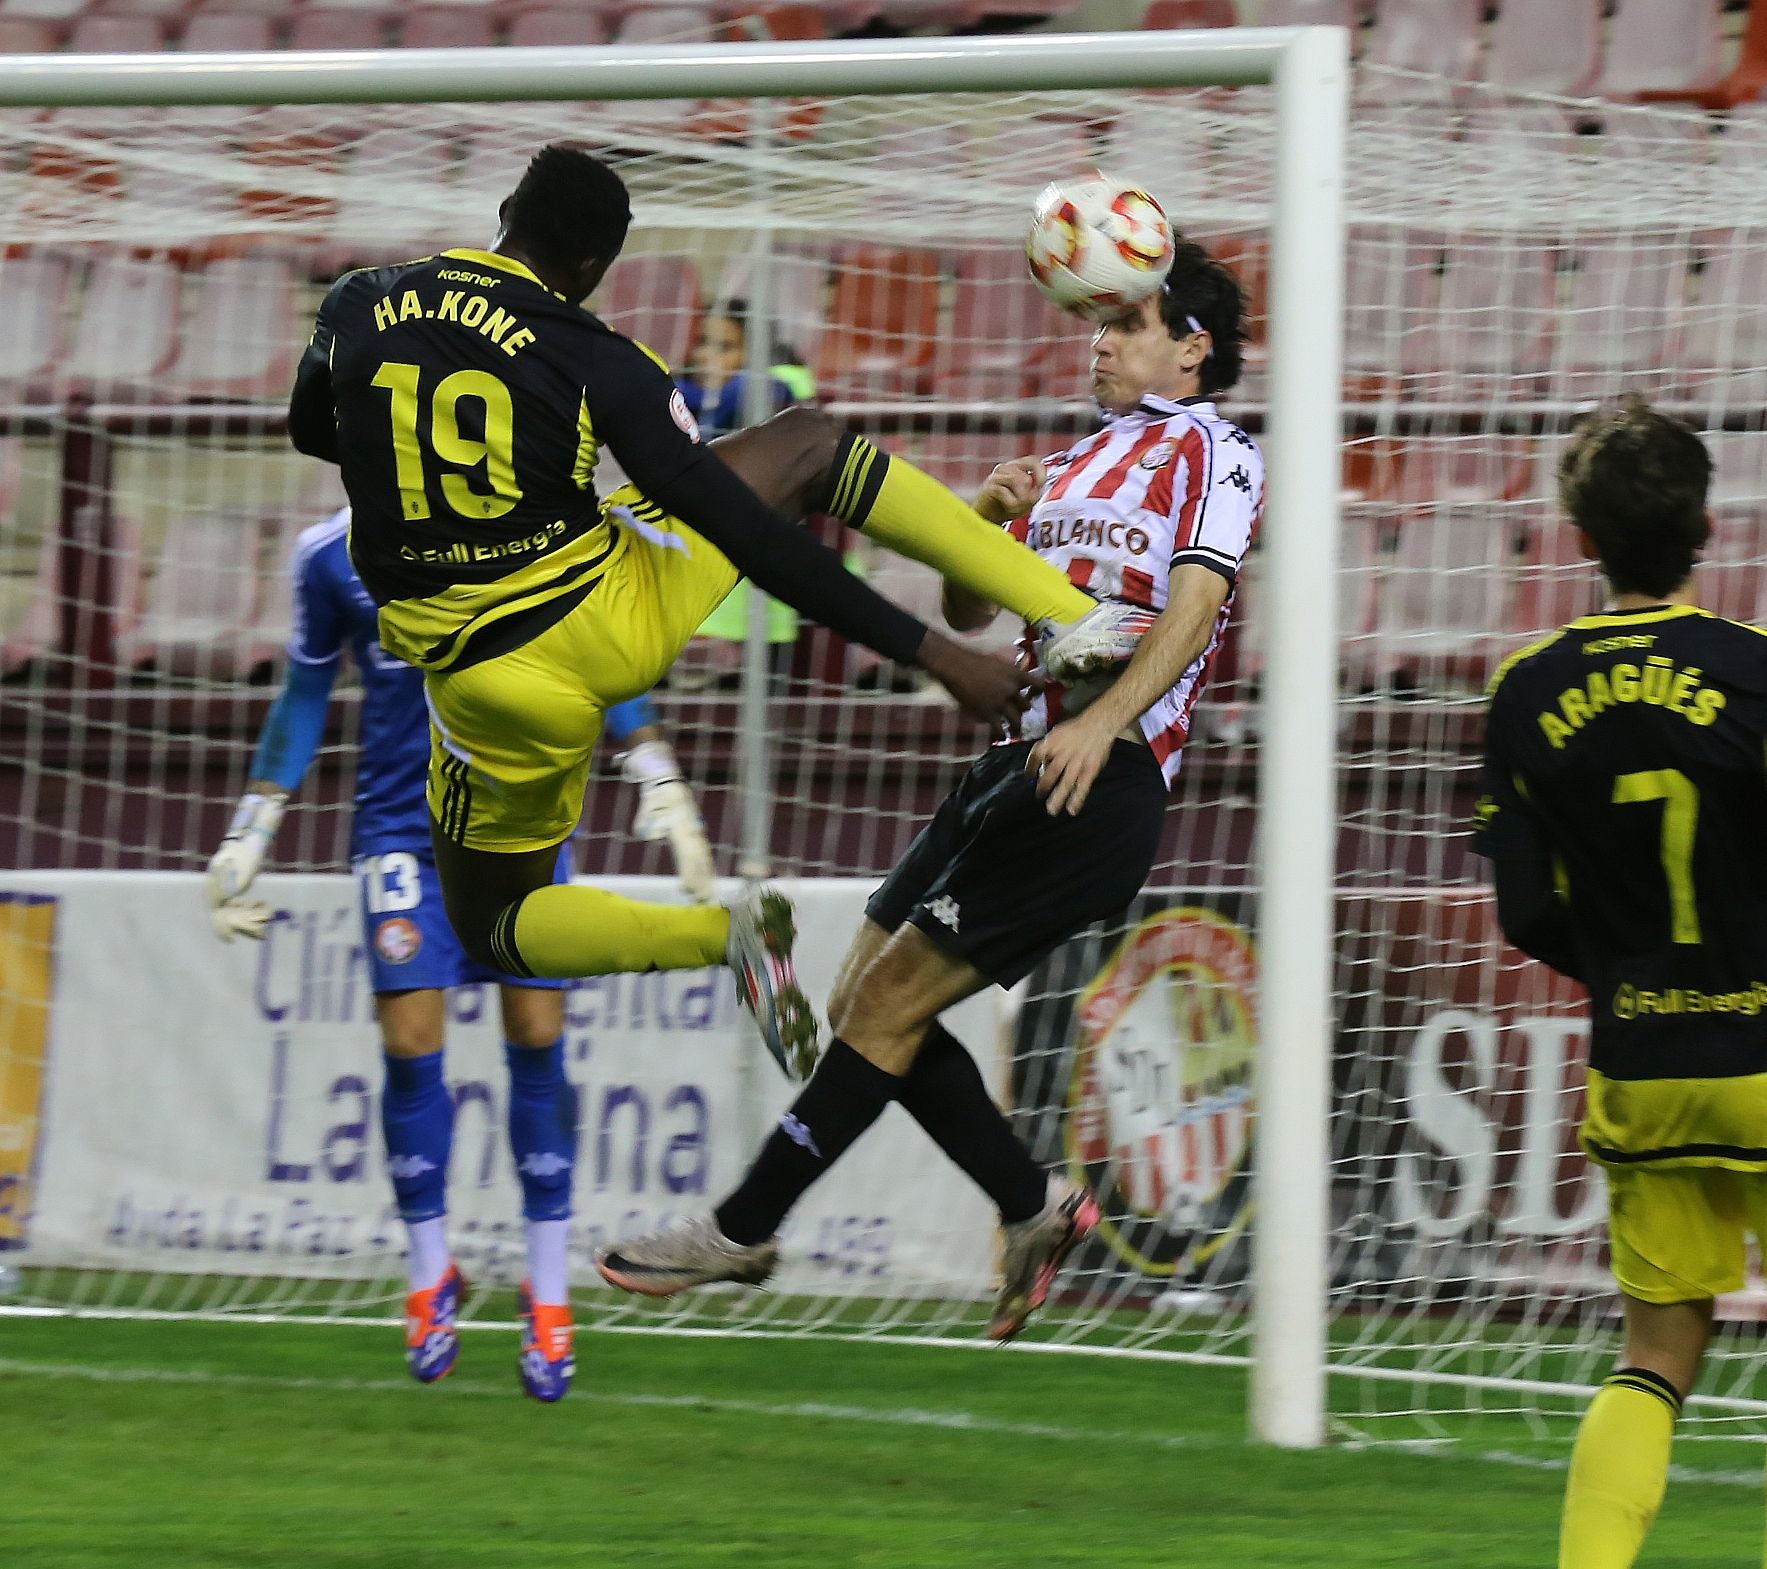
column 467, row 405
column 1625, row 797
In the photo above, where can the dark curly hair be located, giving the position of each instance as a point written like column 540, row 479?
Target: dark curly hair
column 1635, row 482
column 569, row 206
column 1199, row 289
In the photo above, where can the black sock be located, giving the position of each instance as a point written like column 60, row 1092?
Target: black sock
column 845, row 1095
column 945, row 1094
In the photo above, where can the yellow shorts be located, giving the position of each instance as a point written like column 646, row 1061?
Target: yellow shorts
column 511, row 737
column 1680, row 1233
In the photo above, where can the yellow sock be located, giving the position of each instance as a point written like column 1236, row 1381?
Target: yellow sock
column 911, row 512
column 569, row 930
column 1618, row 1471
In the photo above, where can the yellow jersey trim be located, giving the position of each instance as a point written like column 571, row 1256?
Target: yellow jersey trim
column 588, row 447
column 499, row 263
column 1633, row 618
column 1512, row 660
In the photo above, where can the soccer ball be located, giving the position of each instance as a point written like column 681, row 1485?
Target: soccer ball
column 1097, row 245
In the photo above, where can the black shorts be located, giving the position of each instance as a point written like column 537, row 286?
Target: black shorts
column 995, row 880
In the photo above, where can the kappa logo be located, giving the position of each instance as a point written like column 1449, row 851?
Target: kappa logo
column 1234, row 433
column 398, row 940
column 1238, row 479
column 403, row 1168
column 1159, row 456
column 544, row 1163
column 793, row 1128
column 944, row 910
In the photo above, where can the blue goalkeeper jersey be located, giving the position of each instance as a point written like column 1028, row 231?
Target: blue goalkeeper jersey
column 332, row 611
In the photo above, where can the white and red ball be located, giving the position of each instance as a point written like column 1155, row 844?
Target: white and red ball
column 1097, row 245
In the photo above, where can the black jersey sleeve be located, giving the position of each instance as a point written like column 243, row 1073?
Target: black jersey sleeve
column 312, row 405
column 639, row 413
column 1507, row 831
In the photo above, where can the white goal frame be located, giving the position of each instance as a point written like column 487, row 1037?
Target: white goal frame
column 1309, row 69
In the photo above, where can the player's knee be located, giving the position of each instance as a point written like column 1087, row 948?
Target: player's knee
column 808, row 440
column 533, row 1016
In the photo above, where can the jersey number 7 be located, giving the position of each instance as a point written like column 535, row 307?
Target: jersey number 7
column 1681, row 809
column 496, row 452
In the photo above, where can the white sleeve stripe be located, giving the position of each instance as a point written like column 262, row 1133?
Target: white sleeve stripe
column 307, row 659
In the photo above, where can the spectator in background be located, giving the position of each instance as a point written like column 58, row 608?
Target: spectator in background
column 715, row 387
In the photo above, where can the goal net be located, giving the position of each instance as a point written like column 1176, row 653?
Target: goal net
column 190, row 1128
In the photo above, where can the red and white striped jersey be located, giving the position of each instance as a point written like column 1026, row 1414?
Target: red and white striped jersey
column 1166, row 484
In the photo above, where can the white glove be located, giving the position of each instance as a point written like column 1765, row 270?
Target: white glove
column 234, row 867
column 667, row 810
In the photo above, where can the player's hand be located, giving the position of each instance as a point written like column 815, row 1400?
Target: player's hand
column 234, row 867
column 667, row 810
column 1011, row 490
column 985, row 687
column 240, row 918
column 1067, row 763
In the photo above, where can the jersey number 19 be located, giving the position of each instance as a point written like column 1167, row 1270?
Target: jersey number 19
column 496, row 452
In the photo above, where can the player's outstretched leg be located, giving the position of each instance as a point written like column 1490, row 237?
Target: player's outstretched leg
column 510, row 915
column 417, row 1118
column 803, row 461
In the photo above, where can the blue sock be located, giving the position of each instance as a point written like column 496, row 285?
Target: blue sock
column 417, row 1116
column 542, row 1129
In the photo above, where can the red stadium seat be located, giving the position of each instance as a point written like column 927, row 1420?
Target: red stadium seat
column 663, row 24
column 1315, row 13
column 1004, row 334
column 882, row 323
column 1545, row 48
column 655, row 299
column 363, row 230
column 1661, row 47
column 1177, row 15
column 1492, row 323
column 1384, row 277
column 35, row 286
column 794, row 118
column 1750, row 73
column 125, row 331
column 1731, row 578
column 1739, row 471
column 557, row 27
column 1437, row 37
column 1619, row 328
column 25, row 35
column 217, row 32
column 117, row 35
column 241, row 335
column 1725, row 347
column 201, row 600
column 337, row 29
column 447, row 27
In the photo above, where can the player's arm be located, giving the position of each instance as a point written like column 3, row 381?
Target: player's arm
column 666, row 807
column 1507, row 831
column 286, row 746
column 1009, row 492
column 312, row 405
column 1069, row 758
column 631, row 408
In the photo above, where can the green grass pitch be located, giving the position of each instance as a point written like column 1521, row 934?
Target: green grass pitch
column 207, row 1446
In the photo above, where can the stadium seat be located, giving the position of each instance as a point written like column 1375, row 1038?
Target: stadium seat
column 793, row 118
column 1552, row 48
column 1739, row 471
column 216, row 32
column 655, row 299
column 362, row 229
column 798, row 295
column 1314, row 13
column 1385, row 274
column 329, row 28
column 663, row 24
column 1438, row 38
column 882, row 323
column 556, row 27
column 201, row 599
column 1175, row 15
column 1492, row 324
column 1170, row 142
column 1749, row 75
column 25, row 35
column 1731, row 578
column 52, row 12
column 104, row 34
column 1443, row 591
column 1725, row 346
column 240, row 335
column 447, row 27
column 1663, row 47
column 1002, row 332
column 1619, row 325
column 125, row 331
column 35, row 286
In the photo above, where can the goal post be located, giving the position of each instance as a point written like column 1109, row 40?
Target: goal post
column 1292, row 892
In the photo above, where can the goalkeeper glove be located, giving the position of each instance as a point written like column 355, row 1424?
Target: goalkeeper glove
column 667, row 810
column 235, row 865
